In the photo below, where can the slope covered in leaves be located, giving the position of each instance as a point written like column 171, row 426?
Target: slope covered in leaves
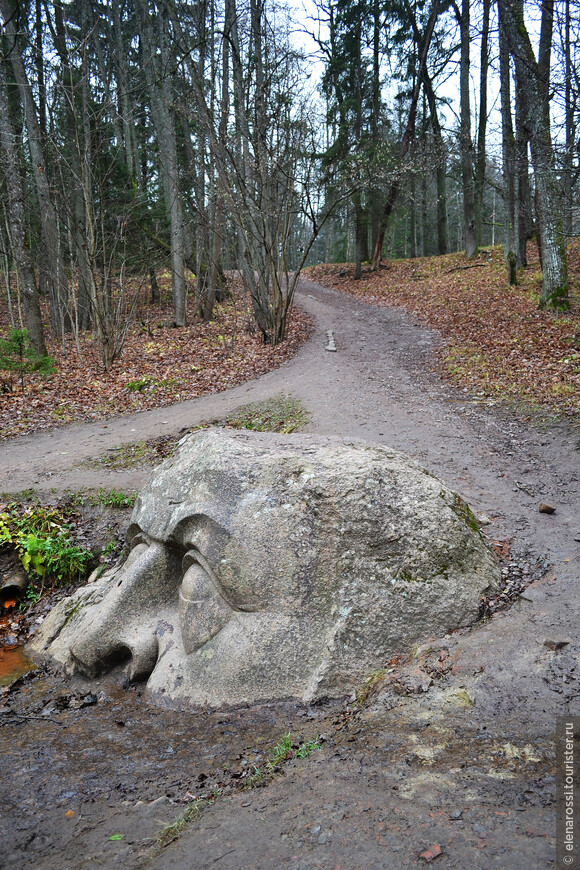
column 160, row 365
column 498, row 344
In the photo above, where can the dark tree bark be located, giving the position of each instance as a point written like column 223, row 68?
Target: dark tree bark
column 440, row 168
column 58, row 288
column 71, row 172
column 17, row 218
column 569, row 109
column 465, row 142
column 525, row 221
column 407, row 135
column 480, row 162
column 159, row 88
column 509, row 157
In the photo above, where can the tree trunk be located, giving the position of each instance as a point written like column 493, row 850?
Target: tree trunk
column 465, row 142
column 440, row 168
column 554, row 262
column 164, row 124
column 569, row 109
column 16, row 199
column 407, row 136
column 509, row 161
column 72, row 175
column 525, row 221
column 58, row 289
column 480, row 163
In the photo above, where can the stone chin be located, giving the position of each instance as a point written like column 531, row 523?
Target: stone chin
column 263, row 567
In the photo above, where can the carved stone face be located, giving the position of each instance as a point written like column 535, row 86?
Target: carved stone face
column 268, row 567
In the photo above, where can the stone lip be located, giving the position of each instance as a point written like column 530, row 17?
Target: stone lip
column 265, row 566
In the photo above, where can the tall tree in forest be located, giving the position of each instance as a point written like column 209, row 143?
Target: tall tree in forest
column 531, row 75
column 351, row 85
column 440, row 150
column 157, row 62
column 17, row 219
column 39, row 167
column 480, row 162
column 524, row 217
column 465, row 140
column 508, row 157
column 395, row 186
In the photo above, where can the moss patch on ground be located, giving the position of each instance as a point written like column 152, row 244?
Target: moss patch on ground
column 282, row 413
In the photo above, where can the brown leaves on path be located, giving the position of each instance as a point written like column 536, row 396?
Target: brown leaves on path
column 498, row 344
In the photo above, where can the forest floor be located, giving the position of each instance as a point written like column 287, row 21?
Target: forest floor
column 446, row 757
column 160, row 364
column 498, row 343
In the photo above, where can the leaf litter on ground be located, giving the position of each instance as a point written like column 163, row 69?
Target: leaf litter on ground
column 160, row 365
column 498, row 344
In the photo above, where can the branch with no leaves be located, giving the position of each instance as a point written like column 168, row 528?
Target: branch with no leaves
column 460, row 268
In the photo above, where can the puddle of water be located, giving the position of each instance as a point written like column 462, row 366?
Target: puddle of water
column 13, row 663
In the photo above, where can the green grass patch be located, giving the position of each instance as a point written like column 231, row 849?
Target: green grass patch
column 285, row 749
column 284, row 414
column 105, row 497
column 191, row 813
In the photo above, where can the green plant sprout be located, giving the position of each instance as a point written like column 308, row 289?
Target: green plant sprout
column 17, row 356
column 43, row 541
column 283, row 750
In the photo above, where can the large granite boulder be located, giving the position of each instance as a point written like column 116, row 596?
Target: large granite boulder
column 266, row 566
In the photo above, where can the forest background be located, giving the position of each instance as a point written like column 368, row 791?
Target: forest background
column 178, row 164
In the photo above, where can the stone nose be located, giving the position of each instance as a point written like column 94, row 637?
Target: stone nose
column 121, row 628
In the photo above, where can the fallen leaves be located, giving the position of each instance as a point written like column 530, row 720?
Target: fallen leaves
column 432, row 852
column 498, row 343
column 160, row 366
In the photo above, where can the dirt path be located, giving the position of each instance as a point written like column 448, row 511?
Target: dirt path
column 454, row 751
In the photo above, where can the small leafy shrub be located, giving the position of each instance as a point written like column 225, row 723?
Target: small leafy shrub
column 43, row 540
column 31, row 596
column 17, row 356
column 138, row 386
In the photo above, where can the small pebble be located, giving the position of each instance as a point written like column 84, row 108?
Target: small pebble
column 455, row 814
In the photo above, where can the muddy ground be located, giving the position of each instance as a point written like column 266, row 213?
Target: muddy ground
column 450, row 757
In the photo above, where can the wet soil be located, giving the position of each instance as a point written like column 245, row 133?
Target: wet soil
column 449, row 759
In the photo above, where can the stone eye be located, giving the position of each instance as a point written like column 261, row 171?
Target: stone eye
column 140, row 546
column 202, row 609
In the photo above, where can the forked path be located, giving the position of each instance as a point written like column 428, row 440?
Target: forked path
column 457, row 756
column 381, row 385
